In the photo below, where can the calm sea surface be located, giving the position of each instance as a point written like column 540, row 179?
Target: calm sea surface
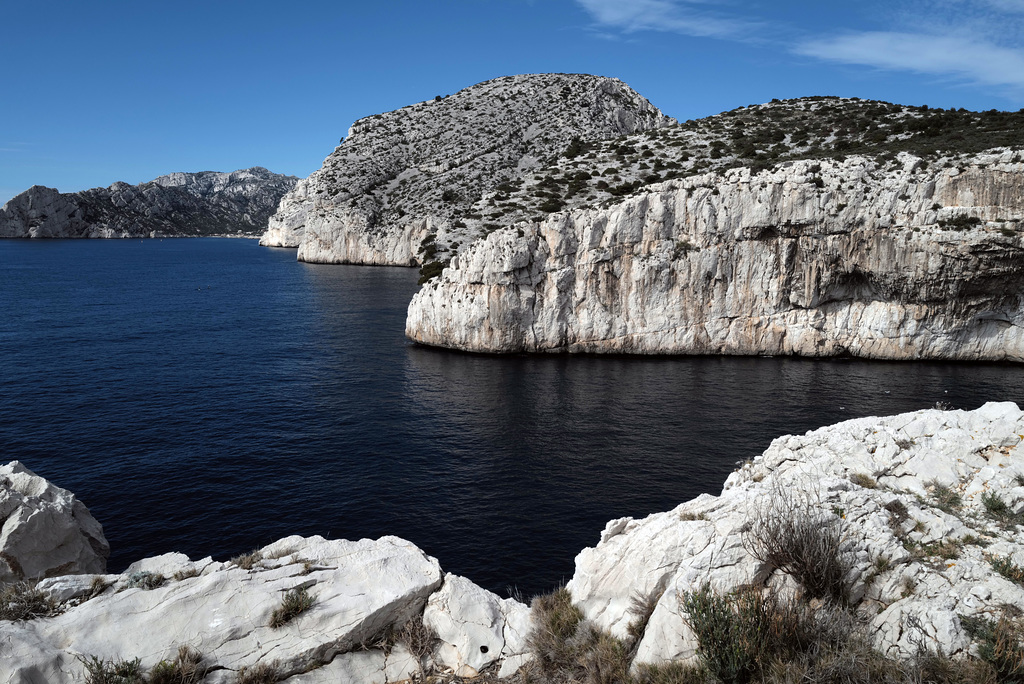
column 210, row 396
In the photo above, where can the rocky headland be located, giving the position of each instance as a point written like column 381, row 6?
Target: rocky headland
column 900, row 536
column 886, row 259
column 176, row 205
column 409, row 186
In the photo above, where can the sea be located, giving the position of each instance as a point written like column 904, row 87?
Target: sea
column 210, row 396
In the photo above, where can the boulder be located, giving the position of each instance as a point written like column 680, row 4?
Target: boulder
column 46, row 530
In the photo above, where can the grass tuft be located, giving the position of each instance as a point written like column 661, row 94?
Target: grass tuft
column 22, row 601
column 295, row 602
column 184, row 669
column 863, row 480
column 999, row 510
column 945, row 498
column 264, row 673
column 144, row 580
column 247, row 561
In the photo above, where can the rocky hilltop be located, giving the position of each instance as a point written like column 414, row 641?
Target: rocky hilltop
column 412, row 185
column 877, row 257
column 890, row 547
column 178, row 204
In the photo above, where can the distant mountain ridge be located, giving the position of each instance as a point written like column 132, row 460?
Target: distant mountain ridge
column 406, row 180
column 174, row 205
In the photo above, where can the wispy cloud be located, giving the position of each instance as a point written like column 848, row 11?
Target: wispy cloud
column 963, row 59
column 965, row 41
column 688, row 17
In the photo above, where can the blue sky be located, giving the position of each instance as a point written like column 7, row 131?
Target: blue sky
column 104, row 91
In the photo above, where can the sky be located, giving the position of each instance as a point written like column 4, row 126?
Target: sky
column 98, row 92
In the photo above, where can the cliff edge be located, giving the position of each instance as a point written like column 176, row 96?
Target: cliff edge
column 878, row 258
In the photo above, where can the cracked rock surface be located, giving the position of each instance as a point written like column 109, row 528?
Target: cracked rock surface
column 361, row 592
column 917, row 566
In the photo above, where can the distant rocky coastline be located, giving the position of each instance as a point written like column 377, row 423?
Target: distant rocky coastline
column 921, row 514
column 176, row 205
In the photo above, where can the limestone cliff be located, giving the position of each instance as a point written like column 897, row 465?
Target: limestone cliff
column 424, row 170
column 900, row 259
column 178, row 204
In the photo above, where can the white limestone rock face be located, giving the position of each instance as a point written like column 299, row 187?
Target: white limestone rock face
column 477, row 628
column 858, row 475
column 45, row 530
column 178, row 204
column 429, row 169
column 755, row 263
column 359, row 588
column 286, row 226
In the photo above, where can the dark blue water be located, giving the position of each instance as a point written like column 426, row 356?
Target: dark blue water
column 210, row 396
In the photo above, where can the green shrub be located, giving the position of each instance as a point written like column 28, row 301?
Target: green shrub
column 960, row 222
column 999, row 510
column 144, row 580
column 295, row 602
column 945, row 498
column 112, row 671
column 999, row 645
column 741, row 634
column 431, row 270
column 1005, row 566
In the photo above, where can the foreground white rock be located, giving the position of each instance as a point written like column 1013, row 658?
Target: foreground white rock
column 913, row 589
column 819, row 258
column 359, row 589
column 45, row 530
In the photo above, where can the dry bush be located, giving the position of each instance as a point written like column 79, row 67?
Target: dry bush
column 112, row 671
column 264, row 673
column 567, row 648
column 802, row 540
column 184, row 669
column 418, row 638
column 22, row 601
column 246, row 561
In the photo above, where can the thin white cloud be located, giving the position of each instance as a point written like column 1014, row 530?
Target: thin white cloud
column 1007, row 5
column 965, row 59
column 665, row 15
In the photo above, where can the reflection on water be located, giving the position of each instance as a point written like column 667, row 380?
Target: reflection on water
column 210, row 396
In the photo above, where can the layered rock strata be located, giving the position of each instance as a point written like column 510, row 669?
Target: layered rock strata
column 900, row 260
column 45, row 530
column 911, row 495
column 423, row 170
column 178, row 204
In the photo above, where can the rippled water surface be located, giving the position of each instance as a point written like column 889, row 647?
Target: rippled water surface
column 210, row 396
